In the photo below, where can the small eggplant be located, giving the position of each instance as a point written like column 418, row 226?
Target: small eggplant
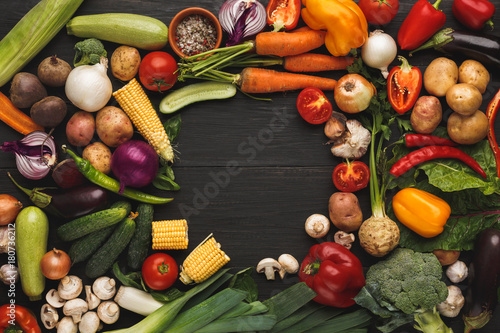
column 67, row 203
column 484, row 280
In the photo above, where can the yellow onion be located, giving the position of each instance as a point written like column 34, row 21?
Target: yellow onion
column 353, row 93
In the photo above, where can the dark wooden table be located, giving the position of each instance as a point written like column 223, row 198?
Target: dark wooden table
column 250, row 171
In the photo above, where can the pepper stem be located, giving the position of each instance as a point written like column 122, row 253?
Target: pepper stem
column 312, row 268
column 436, row 4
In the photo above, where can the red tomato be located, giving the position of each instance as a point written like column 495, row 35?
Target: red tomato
column 379, row 11
column 351, row 176
column 159, row 271
column 403, row 86
column 313, row 106
column 158, row 71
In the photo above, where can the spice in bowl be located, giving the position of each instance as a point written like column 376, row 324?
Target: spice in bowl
column 195, row 34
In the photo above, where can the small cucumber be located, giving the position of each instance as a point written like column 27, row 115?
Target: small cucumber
column 135, row 30
column 140, row 242
column 32, row 233
column 196, row 92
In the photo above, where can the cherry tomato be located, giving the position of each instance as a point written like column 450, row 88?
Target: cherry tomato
column 158, row 71
column 159, row 271
column 313, row 106
column 351, row 176
column 379, row 11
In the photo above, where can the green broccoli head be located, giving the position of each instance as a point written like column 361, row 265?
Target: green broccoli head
column 89, row 52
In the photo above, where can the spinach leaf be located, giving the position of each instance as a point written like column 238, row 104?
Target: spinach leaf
column 244, row 281
column 173, row 127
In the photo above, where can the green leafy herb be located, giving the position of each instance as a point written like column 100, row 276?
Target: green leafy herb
column 244, row 281
column 133, row 279
column 167, row 296
column 164, row 179
column 173, row 127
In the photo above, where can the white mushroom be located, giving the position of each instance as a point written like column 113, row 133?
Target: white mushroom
column 317, row 225
column 92, row 300
column 353, row 144
column 108, row 312
column 288, row 264
column 66, row 325
column 70, row 287
column 457, row 272
column 90, row 322
column 49, row 316
column 104, row 287
column 268, row 266
column 453, row 304
column 75, row 308
column 52, row 297
column 343, row 238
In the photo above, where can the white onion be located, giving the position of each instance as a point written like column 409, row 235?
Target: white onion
column 379, row 51
column 88, row 87
column 232, row 10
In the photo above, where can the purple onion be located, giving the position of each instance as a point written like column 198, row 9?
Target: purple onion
column 241, row 19
column 135, row 164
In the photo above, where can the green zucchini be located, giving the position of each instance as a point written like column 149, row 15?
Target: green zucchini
column 32, row 33
column 141, row 240
column 135, row 30
column 196, row 92
column 102, row 260
column 32, row 233
column 89, row 223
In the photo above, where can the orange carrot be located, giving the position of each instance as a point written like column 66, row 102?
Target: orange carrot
column 288, row 43
column 259, row 80
column 15, row 118
column 313, row 62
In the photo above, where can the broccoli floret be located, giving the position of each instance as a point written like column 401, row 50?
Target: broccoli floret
column 89, row 52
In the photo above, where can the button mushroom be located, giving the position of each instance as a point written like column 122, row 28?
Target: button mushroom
column 268, row 266
column 75, row 308
column 317, row 225
column 104, row 287
column 288, row 264
column 70, row 287
column 66, row 325
column 353, row 144
column 92, row 300
column 49, row 316
column 90, row 322
column 52, row 297
column 343, row 238
column 108, row 312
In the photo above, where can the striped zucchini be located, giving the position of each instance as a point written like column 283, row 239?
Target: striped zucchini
column 141, row 240
column 32, row 33
column 135, row 30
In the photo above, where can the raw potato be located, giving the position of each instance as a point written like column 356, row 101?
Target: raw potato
column 125, row 62
column 464, row 98
column 440, row 75
column 467, row 130
column 426, row 115
column 113, row 126
column 345, row 211
column 80, row 128
column 473, row 72
column 99, row 156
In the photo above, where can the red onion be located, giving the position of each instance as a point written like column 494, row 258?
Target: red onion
column 35, row 154
column 135, row 164
column 241, row 19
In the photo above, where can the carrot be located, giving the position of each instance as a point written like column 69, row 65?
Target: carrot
column 288, row 43
column 15, row 118
column 313, row 62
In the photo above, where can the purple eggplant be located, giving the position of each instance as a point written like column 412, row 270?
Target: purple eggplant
column 484, row 277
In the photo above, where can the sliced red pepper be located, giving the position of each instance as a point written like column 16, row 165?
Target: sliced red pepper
column 21, row 316
column 491, row 113
column 421, row 140
column 423, row 21
column 283, row 14
column 403, row 86
column 474, row 14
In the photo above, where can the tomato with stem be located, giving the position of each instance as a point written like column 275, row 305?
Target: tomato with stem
column 379, row 11
column 314, row 106
column 158, row 71
column 351, row 176
column 159, row 271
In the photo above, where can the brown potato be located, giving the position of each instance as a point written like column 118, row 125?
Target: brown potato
column 99, row 156
column 426, row 115
column 80, row 128
column 473, row 72
column 467, row 130
column 440, row 75
column 125, row 62
column 113, row 126
column 464, row 98
column 446, row 257
column 345, row 211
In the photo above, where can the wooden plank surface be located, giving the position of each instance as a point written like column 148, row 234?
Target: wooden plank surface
column 250, row 171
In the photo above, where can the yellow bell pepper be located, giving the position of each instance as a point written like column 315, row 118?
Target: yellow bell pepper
column 420, row 211
column 343, row 20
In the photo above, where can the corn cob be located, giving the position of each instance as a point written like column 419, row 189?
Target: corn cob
column 204, row 261
column 170, row 235
column 138, row 107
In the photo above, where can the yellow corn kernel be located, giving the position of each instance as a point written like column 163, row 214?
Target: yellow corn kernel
column 136, row 104
column 204, row 261
column 170, row 235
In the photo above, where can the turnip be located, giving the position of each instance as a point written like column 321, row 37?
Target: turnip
column 53, row 71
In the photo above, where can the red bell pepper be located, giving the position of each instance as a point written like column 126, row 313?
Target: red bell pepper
column 423, row 21
column 334, row 273
column 283, row 14
column 12, row 314
column 474, row 14
column 491, row 113
column 403, row 86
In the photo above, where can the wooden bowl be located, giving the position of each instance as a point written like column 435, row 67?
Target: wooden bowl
column 185, row 13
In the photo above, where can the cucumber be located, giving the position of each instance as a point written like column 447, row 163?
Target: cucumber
column 32, row 233
column 141, row 240
column 196, row 92
column 135, row 30
column 102, row 260
column 89, row 223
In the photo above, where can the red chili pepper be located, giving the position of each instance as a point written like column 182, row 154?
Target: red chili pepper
column 334, row 273
column 283, row 14
column 422, row 140
column 491, row 113
column 474, row 14
column 430, row 153
column 11, row 314
column 423, row 21
column 403, row 86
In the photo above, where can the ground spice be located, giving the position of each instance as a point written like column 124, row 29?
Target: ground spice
column 195, row 34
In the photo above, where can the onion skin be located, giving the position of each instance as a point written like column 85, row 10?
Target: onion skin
column 9, row 208
column 55, row 264
column 353, row 93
